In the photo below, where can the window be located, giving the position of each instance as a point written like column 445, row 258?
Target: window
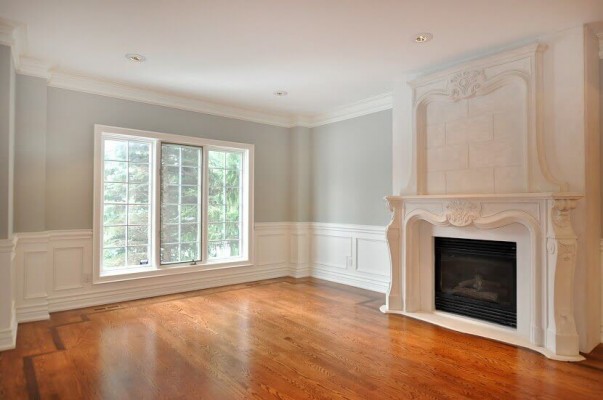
column 168, row 204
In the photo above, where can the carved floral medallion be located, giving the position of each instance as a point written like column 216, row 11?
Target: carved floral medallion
column 465, row 84
column 462, row 212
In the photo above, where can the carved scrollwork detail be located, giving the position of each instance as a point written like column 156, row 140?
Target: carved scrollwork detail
column 567, row 252
column 560, row 214
column 395, row 207
column 465, row 84
column 461, row 212
column 551, row 246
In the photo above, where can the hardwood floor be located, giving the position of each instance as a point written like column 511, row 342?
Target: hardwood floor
column 277, row 339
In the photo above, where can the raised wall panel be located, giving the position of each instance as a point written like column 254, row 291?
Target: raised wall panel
column 34, row 269
column 272, row 249
column 299, row 242
column 54, row 268
column 372, row 256
column 68, row 265
column 331, row 250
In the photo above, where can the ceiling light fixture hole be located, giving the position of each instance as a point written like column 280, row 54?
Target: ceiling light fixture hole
column 423, row 37
column 136, row 57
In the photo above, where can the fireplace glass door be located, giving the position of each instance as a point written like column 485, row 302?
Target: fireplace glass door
column 477, row 278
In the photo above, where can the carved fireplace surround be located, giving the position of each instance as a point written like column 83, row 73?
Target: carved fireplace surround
column 479, row 171
column 546, row 262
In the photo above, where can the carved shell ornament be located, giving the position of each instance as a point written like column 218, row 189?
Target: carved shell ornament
column 465, row 84
column 461, row 212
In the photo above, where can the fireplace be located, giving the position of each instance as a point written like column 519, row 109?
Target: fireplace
column 471, row 163
column 477, row 278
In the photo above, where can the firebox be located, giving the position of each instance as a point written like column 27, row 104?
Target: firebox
column 477, row 278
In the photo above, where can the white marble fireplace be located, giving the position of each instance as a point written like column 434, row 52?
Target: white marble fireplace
column 540, row 224
column 479, row 170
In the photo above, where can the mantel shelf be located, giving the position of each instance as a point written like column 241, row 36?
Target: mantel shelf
column 493, row 196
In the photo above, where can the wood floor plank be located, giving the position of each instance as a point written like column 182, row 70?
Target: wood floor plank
column 276, row 339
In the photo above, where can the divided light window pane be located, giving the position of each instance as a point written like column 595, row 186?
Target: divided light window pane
column 126, row 203
column 224, row 213
column 181, row 199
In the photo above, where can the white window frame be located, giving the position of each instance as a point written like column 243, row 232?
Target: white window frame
column 155, row 268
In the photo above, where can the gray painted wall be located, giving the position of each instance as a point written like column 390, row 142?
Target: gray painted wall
column 70, row 148
column 334, row 173
column 30, row 154
column 55, row 149
column 300, row 174
column 7, row 135
column 351, row 170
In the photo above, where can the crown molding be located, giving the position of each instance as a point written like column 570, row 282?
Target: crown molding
column 80, row 83
column 34, row 67
column 14, row 35
column 363, row 107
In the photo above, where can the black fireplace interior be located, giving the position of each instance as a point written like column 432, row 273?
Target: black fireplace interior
column 477, row 278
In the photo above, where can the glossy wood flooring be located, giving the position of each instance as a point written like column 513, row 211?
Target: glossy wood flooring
column 278, row 339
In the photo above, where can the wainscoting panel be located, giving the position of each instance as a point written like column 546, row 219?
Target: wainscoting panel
column 331, row 250
column 354, row 255
column 34, row 271
column 272, row 244
column 54, row 272
column 8, row 321
column 54, row 269
column 299, row 245
column 372, row 257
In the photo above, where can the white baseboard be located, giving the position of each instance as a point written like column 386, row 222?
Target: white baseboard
column 354, row 255
column 328, row 274
column 61, row 303
column 8, row 336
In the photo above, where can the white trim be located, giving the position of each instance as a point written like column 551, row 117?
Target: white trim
column 44, row 286
column 8, row 330
column 81, row 83
column 34, row 67
column 357, row 109
column 14, row 35
column 374, row 229
column 210, row 279
column 156, row 270
column 329, row 274
column 124, row 91
column 8, row 336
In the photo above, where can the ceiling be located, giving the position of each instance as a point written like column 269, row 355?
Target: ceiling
column 325, row 53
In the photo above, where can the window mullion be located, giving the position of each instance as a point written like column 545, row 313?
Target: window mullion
column 156, row 205
column 205, row 202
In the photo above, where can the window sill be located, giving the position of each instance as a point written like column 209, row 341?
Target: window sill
column 169, row 270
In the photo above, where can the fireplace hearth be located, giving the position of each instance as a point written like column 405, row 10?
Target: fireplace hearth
column 477, row 278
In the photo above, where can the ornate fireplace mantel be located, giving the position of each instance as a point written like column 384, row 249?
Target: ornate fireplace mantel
column 550, row 250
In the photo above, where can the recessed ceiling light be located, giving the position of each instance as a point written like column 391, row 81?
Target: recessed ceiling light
column 280, row 93
column 136, row 57
column 423, row 37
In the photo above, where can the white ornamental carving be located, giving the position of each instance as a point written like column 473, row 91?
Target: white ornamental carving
column 461, row 212
column 465, row 84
